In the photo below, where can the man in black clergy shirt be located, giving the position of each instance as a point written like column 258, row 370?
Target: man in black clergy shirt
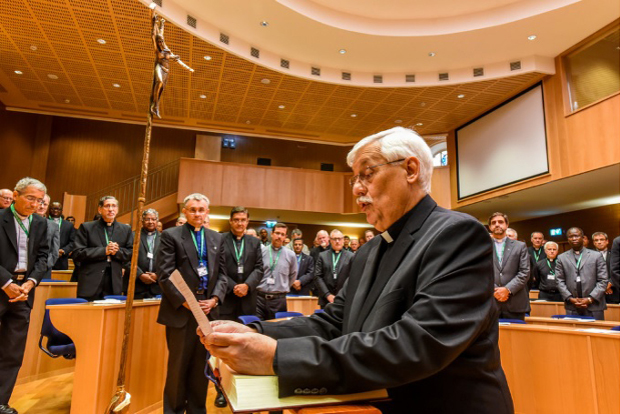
column 146, row 278
column 102, row 247
column 329, row 276
column 601, row 243
column 23, row 263
column 198, row 254
column 67, row 236
column 544, row 271
column 417, row 314
column 537, row 254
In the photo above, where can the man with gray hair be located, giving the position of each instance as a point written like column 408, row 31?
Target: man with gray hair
column 6, row 198
column 330, row 271
column 297, row 234
column 146, row 278
column 416, row 315
column 322, row 238
column 53, row 236
column 544, row 272
column 102, row 247
column 24, row 250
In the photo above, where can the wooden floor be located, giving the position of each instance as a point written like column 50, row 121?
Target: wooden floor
column 53, row 396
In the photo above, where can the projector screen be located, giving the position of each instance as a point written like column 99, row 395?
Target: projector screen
column 506, row 145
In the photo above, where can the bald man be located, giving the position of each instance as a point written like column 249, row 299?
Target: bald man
column 6, row 198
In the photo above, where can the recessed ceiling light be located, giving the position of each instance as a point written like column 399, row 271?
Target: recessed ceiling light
column 207, row 57
column 19, row 72
column 531, row 37
column 618, row 47
column 281, row 106
column 353, row 115
column 460, row 96
column 422, row 104
column 116, row 85
column 265, row 81
column 431, row 54
column 248, row 122
column 101, row 41
column 264, row 23
column 67, row 100
column 419, row 124
column 398, row 121
column 33, row 48
column 342, row 51
column 203, row 96
column 52, row 76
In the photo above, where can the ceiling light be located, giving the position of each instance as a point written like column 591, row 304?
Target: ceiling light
column 101, row 41
column 265, row 81
column 281, row 106
column 116, row 85
column 431, row 54
column 67, row 100
column 33, row 48
column 207, row 57
column 618, row 47
column 398, row 121
column 531, row 37
column 353, row 115
column 248, row 122
column 52, row 76
column 19, row 72
column 342, row 51
column 422, row 104
column 203, row 96
column 419, row 124
column 264, row 23
column 461, row 96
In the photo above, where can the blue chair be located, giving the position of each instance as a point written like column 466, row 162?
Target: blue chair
column 292, row 295
column 572, row 316
column 53, row 280
column 515, row 321
column 117, row 297
column 319, row 310
column 616, row 328
column 248, row 319
column 157, row 296
column 58, row 344
column 280, row 315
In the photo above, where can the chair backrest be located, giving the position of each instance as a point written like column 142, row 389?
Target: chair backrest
column 117, row 297
column 53, row 280
column 616, row 328
column 292, row 295
column 54, row 336
column 280, row 315
column 319, row 310
column 516, row 321
column 248, row 319
column 572, row 316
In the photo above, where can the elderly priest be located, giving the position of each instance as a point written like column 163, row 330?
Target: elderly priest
column 416, row 315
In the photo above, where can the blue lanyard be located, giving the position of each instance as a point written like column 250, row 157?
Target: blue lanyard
column 200, row 250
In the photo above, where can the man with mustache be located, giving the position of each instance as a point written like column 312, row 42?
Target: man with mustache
column 416, row 315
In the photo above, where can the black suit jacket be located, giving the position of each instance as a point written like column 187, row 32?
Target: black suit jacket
column 614, row 270
column 425, row 327
column 534, row 281
column 305, row 275
column 252, row 259
column 67, row 239
column 323, row 274
column 143, row 290
column 38, row 249
column 177, row 251
column 90, row 244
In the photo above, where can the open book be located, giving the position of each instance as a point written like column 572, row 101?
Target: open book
column 248, row 393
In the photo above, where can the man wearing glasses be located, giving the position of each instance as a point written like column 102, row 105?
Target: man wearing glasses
column 146, row 278
column 330, row 270
column 23, row 262
column 102, row 247
column 6, row 198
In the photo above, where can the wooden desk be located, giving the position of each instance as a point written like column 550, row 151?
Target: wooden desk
column 36, row 364
column 62, row 275
column 555, row 370
column 537, row 320
column 304, row 304
column 548, row 309
column 97, row 331
column 533, row 294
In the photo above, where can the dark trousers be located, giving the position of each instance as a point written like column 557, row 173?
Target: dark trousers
column 186, row 383
column 267, row 308
column 105, row 287
column 614, row 297
column 14, row 321
column 550, row 296
column 599, row 315
column 504, row 314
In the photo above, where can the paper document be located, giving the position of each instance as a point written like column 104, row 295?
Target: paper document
column 179, row 283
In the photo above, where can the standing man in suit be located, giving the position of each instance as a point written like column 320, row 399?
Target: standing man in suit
column 102, row 247
column 614, row 265
column 198, row 254
column 537, row 254
column 417, row 314
column 6, row 198
column 322, row 238
column 305, row 270
column 511, row 269
column 582, row 278
column 23, row 263
column 601, row 243
column 67, row 236
column 328, row 275
column 545, row 274
column 53, row 236
column 146, row 278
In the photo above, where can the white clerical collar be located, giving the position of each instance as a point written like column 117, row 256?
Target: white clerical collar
column 386, row 236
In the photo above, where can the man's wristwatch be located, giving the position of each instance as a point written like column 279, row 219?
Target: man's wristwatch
column 217, row 301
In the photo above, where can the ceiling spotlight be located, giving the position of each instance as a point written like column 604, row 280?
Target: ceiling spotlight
column 101, row 41
column 52, row 76
column 203, row 97
column 431, row 54
column 67, row 100
column 207, row 57
column 116, row 85
column 422, row 104
column 19, row 72
column 461, row 96
column 264, row 23
column 342, row 51
column 353, row 115
column 33, row 48
column 265, row 81
column 419, row 124
column 281, row 106
column 531, row 37
column 398, row 121
column 248, row 122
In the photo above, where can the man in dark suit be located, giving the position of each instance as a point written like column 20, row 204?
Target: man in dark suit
column 328, row 275
column 511, row 270
column 614, row 265
column 417, row 314
column 23, row 263
column 537, row 254
column 322, row 238
column 305, row 270
column 102, row 247
column 53, row 236
column 601, row 243
column 67, row 236
column 198, row 254
column 544, row 271
column 146, row 278
column 6, row 198
column 582, row 278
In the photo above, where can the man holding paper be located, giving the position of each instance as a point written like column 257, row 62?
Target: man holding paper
column 416, row 315
column 198, row 254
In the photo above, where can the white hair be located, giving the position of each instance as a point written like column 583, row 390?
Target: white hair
column 150, row 211
column 334, row 231
column 318, row 233
column 197, row 197
column 549, row 243
column 397, row 143
column 27, row 182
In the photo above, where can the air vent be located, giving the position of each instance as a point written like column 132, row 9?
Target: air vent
column 316, row 71
column 377, row 79
column 191, row 21
column 409, row 78
column 284, row 63
column 444, row 77
column 263, row 161
column 478, row 72
column 327, row 167
column 224, row 38
column 515, row 65
column 158, row 2
column 346, row 76
column 255, row 52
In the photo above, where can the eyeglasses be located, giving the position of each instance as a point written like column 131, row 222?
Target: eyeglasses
column 7, row 198
column 366, row 178
column 336, row 239
column 110, row 207
column 33, row 199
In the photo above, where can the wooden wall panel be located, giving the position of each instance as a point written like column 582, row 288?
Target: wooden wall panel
column 244, row 185
column 324, row 192
column 17, row 137
column 440, row 186
column 200, row 177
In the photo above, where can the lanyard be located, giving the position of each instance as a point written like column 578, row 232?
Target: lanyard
column 150, row 245
column 201, row 251
column 335, row 259
column 239, row 253
column 272, row 265
column 105, row 232
column 59, row 222
column 19, row 221
column 497, row 253
column 551, row 269
column 578, row 262
column 536, row 255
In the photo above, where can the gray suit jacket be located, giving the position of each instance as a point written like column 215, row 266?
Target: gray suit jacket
column 593, row 272
column 53, row 239
column 513, row 273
